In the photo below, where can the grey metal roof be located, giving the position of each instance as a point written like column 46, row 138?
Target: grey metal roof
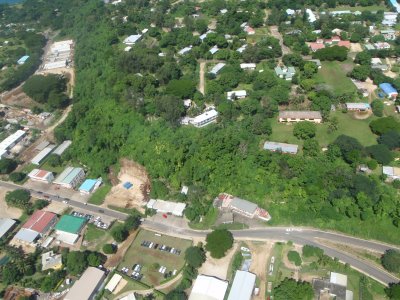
column 286, row 148
column 87, row 285
column 242, row 286
column 61, row 148
column 243, row 205
column 300, row 114
column 26, row 235
column 5, row 225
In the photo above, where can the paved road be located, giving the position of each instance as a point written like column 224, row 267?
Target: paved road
column 298, row 235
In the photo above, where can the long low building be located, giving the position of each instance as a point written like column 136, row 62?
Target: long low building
column 62, row 147
column 5, row 226
column 41, row 175
column 168, row 207
column 242, row 286
column 9, row 142
column 358, row 106
column 282, row 147
column 70, row 177
column 87, row 286
column 208, row 288
column 37, row 160
column 299, row 116
column 205, row 118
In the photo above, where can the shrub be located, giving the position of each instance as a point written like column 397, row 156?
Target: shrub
column 294, row 257
column 109, row 249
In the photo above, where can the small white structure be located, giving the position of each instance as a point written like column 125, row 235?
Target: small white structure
column 311, row 16
column 233, row 95
column 208, row 288
column 214, row 49
column 338, row 278
column 205, row 118
column 167, row 207
column 185, row 50
column 218, row 67
column 51, row 260
column 5, row 226
column 42, row 155
column 55, row 64
column 358, row 106
column 9, row 142
column 242, row 48
column 41, row 176
column 389, row 18
column 393, row 173
column 184, row 190
column 248, row 66
column 112, row 284
column 132, row 39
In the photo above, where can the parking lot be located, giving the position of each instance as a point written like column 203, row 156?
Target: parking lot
column 153, row 258
column 97, row 221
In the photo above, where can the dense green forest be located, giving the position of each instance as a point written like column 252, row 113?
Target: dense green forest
column 118, row 113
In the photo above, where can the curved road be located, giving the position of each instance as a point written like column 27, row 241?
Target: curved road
column 298, row 235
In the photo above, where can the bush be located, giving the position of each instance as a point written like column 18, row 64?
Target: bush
column 18, row 198
column 309, row 251
column 372, row 164
column 304, row 130
column 195, row 256
column 218, row 242
column 109, row 249
column 294, row 257
column 7, row 165
column 377, row 107
column 391, row 260
column 383, row 125
column 380, row 153
column 119, row 233
column 17, row 176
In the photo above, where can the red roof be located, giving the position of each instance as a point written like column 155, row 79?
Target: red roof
column 42, row 174
column 39, row 221
column 316, row 46
column 344, row 44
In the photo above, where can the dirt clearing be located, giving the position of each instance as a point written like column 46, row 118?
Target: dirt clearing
column 5, row 211
column 260, row 255
column 355, row 47
column 134, row 197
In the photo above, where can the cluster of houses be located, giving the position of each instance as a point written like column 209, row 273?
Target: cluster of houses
column 322, row 43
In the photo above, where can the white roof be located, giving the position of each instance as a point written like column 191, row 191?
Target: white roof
column 55, row 64
column 241, row 49
column 240, row 93
column 214, row 49
column 175, row 208
column 185, row 50
column 339, row 279
column 132, row 39
column 5, row 225
column 86, row 286
column 112, row 284
column 358, row 106
column 127, row 48
column 242, row 286
column 248, row 66
column 131, row 296
column 39, row 174
column 208, row 288
column 26, row 235
column 205, row 116
column 67, row 237
column 217, row 68
column 61, row 148
column 290, row 12
column 376, row 60
column 12, row 139
column 311, row 16
column 42, row 155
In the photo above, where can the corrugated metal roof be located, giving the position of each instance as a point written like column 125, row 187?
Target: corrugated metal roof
column 300, row 114
column 88, row 185
column 39, row 221
column 286, row 148
column 26, row 235
column 243, row 205
column 242, row 286
column 42, row 155
column 86, row 286
column 208, row 288
column 70, row 224
column 61, row 148
column 5, row 226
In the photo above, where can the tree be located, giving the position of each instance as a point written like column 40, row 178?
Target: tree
column 183, row 88
column 363, row 58
column 10, row 274
column 360, row 72
column 176, row 295
column 54, row 160
column 383, row 125
column 310, row 251
column 290, row 289
column 218, row 242
column 331, row 53
column 311, row 147
column 7, row 165
column 350, row 148
column 261, row 125
column 294, row 257
column 133, row 221
column 17, row 176
column 109, row 249
column 377, row 107
column 95, row 259
column 304, row 130
column 195, row 256
column 76, row 262
column 391, row 139
column 18, row 198
column 393, row 291
column 380, row 153
column 391, row 260
column 119, row 233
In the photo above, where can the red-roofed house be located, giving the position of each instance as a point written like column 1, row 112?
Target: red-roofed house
column 316, row 46
column 249, row 30
column 41, row 175
column 41, row 221
column 344, row 44
column 336, row 39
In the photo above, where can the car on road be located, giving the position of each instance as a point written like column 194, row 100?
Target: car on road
column 101, row 211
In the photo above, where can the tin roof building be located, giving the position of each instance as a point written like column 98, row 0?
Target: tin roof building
column 175, row 208
column 89, row 185
column 208, row 288
column 389, row 90
column 68, row 228
column 62, row 147
column 37, row 225
column 218, row 67
column 5, row 226
column 87, row 286
column 242, row 286
column 41, row 175
column 282, row 147
column 42, row 155
column 23, row 59
column 70, row 177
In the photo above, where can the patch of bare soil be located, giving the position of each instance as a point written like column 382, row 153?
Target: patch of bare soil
column 16, row 97
column 355, row 47
column 260, row 255
column 362, row 115
column 5, row 210
column 137, row 195
column 115, row 259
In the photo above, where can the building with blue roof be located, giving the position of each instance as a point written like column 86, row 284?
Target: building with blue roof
column 395, row 5
column 389, row 90
column 89, row 185
column 23, row 59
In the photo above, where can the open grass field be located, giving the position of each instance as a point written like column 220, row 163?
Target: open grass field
column 348, row 125
column 98, row 196
column 95, row 238
column 361, row 8
column 153, row 259
column 333, row 74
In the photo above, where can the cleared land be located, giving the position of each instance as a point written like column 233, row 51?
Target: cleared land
column 5, row 210
column 333, row 74
column 153, row 259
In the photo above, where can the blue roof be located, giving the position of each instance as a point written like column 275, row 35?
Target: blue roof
column 387, row 88
column 88, row 185
column 395, row 5
column 127, row 185
column 23, row 59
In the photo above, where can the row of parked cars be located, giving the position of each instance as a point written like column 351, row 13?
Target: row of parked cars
column 151, row 245
column 91, row 219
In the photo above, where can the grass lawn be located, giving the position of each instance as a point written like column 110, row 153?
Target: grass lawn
column 153, row 259
column 57, row 170
column 207, row 221
column 348, row 125
column 98, row 196
column 95, row 238
column 360, row 8
column 333, row 74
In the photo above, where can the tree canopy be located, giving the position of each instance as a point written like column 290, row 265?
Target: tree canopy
column 218, row 242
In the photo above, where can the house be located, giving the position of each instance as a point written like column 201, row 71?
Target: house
column 39, row 223
column 70, row 177
column 242, row 48
column 339, row 12
column 42, row 155
column 68, row 228
column 167, row 207
column 127, row 48
column 285, row 72
column 62, row 147
column 299, row 116
column 5, row 226
column 214, row 49
column 310, row 16
column 317, row 62
column 249, row 66
column 346, row 44
column 185, row 50
column 333, row 288
column 205, row 118
column 242, row 286
column 23, row 59
column 382, row 46
column 281, row 147
column 233, row 95
column 51, row 260
column 392, row 173
column 389, row 34
column 112, row 284
column 243, row 207
column 223, row 11
column 249, row 30
column 358, row 106
column 87, row 286
column 369, row 47
column 218, row 67
column 290, row 12
column 41, row 176
column 389, row 90
column 389, row 18
column 204, row 35
column 316, row 46
column 208, row 287
column 89, row 186
column 132, row 39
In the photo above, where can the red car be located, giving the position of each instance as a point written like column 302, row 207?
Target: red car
column 165, row 216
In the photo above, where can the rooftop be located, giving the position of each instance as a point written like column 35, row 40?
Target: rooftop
column 387, row 88
column 70, row 224
column 300, row 114
column 242, row 286
column 26, row 235
column 61, row 148
column 286, row 148
column 39, row 221
column 88, row 185
column 208, row 288
column 86, row 286
column 5, row 226
column 243, row 205
column 68, row 175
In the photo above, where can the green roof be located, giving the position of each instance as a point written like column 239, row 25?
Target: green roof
column 70, row 224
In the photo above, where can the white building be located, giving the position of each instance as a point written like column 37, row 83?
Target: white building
column 42, row 155
column 41, row 175
column 70, row 177
column 358, row 106
column 167, row 207
column 389, row 18
column 218, row 67
column 214, row 49
column 112, row 284
column 242, row 286
column 233, row 95
column 9, row 142
column 311, row 16
column 205, row 118
column 132, row 39
column 393, row 173
column 185, row 50
column 208, row 288
column 248, row 66
column 62, row 147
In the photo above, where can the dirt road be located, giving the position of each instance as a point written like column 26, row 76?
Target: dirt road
column 260, row 255
column 276, row 34
column 201, row 81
